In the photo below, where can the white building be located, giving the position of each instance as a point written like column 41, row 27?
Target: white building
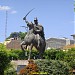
column 58, row 42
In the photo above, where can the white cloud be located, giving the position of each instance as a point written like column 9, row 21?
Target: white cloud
column 4, row 7
column 13, row 12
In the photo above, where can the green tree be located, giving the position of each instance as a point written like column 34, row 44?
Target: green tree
column 50, row 54
column 53, row 67
column 70, row 57
column 14, row 34
column 22, row 35
column 4, row 59
column 34, row 54
column 60, row 55
column 19, row 54
column 17, row 34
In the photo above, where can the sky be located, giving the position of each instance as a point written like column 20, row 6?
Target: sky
column 56, row 16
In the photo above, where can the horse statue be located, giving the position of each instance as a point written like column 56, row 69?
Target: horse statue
column 34, row 37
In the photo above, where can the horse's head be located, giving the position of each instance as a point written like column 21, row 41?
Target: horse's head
column 30, row 25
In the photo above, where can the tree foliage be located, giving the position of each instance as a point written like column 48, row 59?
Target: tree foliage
column 21, row 55
column 4, row 59
column 50, row 54
column 58, row 57
column 17, row 34
column 70, row 57
column 54, row 54
column 22, row 35
column 66, row 56
column 53, row 67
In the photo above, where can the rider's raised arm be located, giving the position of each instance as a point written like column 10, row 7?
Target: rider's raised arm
column 26, row 20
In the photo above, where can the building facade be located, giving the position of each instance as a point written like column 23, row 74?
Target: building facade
column 58, row 42
column 14, row 43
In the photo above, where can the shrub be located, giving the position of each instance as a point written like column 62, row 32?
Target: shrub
column 29, row 69
column 53, row 67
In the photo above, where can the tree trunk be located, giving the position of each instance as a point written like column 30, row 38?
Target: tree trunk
column 1, row 72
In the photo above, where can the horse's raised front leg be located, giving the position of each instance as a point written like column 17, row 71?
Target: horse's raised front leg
column 23, row 43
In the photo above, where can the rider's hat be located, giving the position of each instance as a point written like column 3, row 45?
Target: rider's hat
column 35, row 19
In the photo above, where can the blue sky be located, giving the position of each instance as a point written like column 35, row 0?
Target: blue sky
column 56, row 16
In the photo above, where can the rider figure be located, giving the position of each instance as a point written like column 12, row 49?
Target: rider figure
column 38, row 29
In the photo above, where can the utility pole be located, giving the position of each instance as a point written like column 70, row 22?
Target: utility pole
column 6, row 25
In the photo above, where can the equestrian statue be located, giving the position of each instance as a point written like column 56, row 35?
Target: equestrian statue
column 34, row 37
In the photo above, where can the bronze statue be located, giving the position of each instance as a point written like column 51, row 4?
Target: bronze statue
column 35, row 37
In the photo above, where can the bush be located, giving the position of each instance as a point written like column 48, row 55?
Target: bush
column 53, row 67
column 4, row 59
column 29, row 69
column 50, row 54
column 10, row 71
column 70, row 57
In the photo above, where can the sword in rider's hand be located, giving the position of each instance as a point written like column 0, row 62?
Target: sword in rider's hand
column 26, row 20
column 27, row 14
